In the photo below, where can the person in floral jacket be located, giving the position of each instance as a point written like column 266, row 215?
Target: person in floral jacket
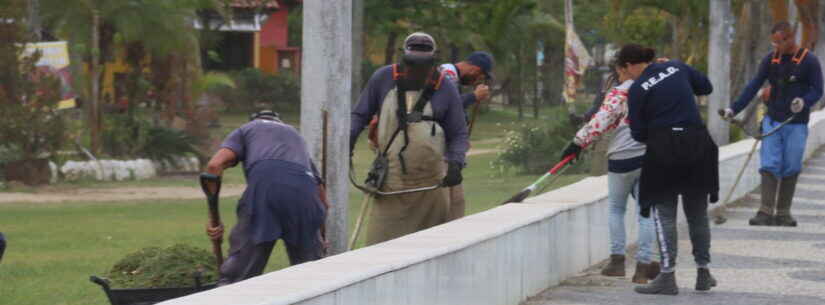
column 624, row 169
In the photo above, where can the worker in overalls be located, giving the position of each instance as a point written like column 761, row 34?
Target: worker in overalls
column 421, row 141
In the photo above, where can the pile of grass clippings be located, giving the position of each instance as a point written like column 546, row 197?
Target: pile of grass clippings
column 171, row 267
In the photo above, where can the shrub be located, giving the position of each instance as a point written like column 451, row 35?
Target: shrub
column 255, row 88
column 127, row 137
column 29, row 121
column 534, row 148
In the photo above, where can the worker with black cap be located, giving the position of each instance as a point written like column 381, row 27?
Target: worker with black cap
column 421, row 135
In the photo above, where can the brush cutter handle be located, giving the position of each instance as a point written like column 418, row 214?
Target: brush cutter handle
column 211, row 185
column 561, row 164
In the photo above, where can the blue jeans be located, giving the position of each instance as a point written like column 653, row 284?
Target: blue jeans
column 782, row 151
column 620, row 186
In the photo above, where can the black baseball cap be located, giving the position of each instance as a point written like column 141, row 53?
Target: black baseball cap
column 482, row 60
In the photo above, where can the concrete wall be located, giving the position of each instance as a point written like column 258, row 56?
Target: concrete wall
column 500, row 256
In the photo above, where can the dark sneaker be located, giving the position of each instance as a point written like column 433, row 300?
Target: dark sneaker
column 784, row 220
column 615, row 267
column 665, row 283
column 761, row 219
column 704, row 281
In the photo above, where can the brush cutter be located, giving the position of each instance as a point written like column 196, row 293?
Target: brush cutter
column 554, row 172
column 720, row 218
column 370, row 191
column 211, row 185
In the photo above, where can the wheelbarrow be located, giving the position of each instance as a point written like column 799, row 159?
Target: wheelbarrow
column 147, row 296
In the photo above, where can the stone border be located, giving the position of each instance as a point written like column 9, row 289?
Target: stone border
column 499, row 256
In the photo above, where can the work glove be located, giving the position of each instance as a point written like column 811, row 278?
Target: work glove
column 797, row 105
column 453, row 177
column 214, row 233
column 645, row 212
column 728, row 113
column 572, row 149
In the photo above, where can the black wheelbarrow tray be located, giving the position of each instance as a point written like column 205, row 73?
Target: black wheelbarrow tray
column 147, row 296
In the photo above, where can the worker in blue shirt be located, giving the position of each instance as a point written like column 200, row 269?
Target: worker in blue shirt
column 795, row 77
column 681, row 158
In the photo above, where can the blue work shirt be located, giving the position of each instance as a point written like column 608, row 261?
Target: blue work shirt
column 664, row 96
column 805, row 81
column 269, row 140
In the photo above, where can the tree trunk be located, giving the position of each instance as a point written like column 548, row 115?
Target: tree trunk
column 389, row 50
column 94, row 102
column 779, row 10
column 34, row 20
column 809, row 17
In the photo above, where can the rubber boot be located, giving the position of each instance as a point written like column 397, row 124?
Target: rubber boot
column 615, row 267
column 644, row 271
column 665, row 283
column 783, row 204
column 764, row 217
column 704, row 281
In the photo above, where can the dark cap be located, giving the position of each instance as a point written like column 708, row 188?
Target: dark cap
column 482, row 60
column 264, row 114
column 419, row 43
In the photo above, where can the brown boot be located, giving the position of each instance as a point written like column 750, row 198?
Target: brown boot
column 653, row 270
column 787, row 188
column 615, row 267
column 640, row 276
column 645, row 272
column 764, row 217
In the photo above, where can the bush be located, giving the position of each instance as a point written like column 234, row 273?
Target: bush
column 255, row 89
column 29, row 121
column 534, row 149
column 171, row 267
column 127, row 137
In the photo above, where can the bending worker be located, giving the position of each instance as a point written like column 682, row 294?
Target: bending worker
column 473, row 71
column 421, row 136
column 624, row 165
column 796, row 85
column 281, row 200
column 681, row 158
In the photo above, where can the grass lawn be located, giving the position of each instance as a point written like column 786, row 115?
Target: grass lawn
column 53, row 248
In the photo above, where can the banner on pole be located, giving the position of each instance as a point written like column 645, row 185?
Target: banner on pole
column 576, row 62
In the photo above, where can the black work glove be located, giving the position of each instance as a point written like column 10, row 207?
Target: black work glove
column 714, row 197
column 453, row 177
column 645, row 212
column 572, row 149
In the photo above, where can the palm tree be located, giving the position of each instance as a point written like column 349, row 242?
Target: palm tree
column 160, row 28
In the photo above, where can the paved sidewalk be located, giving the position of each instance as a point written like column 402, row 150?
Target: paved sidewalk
column 754, row 265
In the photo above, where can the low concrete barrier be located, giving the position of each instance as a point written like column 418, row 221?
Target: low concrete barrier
column 500, row 256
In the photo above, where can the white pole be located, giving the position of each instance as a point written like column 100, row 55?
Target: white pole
column 721, row 39
column 326, row 83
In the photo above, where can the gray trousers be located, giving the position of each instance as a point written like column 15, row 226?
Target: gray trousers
column 696, row 212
